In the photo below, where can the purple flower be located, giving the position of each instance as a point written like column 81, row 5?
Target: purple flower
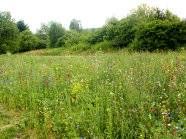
column 68, row 75
column 77, row 125
column 181, row 123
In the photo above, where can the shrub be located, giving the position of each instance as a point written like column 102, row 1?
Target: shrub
column 102, row 45
column 161, row 35
column 28, row 41
column 41, row 44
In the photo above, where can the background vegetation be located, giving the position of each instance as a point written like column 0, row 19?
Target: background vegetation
column 143, row 29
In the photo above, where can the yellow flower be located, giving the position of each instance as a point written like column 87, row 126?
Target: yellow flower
column 108, row 109
column 62, row 108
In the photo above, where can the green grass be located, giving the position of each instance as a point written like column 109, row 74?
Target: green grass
column 113, row 95
column 80, row 48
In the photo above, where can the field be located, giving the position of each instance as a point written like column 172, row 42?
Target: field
column 121, row 95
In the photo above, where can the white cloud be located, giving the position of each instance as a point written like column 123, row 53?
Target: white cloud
column 92, row 13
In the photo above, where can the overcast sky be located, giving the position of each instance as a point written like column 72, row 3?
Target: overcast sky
column 91, row 13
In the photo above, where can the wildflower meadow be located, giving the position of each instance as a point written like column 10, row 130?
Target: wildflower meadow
column 138, row 95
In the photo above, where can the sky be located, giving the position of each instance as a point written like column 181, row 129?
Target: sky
column 91, row 13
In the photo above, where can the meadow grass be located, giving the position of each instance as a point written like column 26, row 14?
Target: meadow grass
column 118, row 95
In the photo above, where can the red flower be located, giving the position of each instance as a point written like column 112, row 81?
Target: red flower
column 147, row 126
column 61, row 95
column 152, row 110
column 174, row 133
column 46, row 81
column 57, row 79
column 53, row 132
column 37, row 114
column 75, row 97
column 171, row 77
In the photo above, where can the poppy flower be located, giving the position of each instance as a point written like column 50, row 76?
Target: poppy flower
column 37, row 114
column 75, row 97
column 174, row 133
column 152, row 110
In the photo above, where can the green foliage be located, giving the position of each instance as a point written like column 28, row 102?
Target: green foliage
column 72, row 38
column 161, row 35
column 125, row 32
column 80, row 47
column 98, row 35
column 182, row 39
column 55, row 32
column 143, row 29
column 105, row 45
column 75, row 25
column 43, row 32
column 28, row 41
column 9, row 33
column 22, row 26
column 41, row 44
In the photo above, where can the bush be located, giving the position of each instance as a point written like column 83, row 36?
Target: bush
column 41, row 44
column 28, row 41
column 125, row 32
column 80, row 47
column 105, row 45
column 161, row 35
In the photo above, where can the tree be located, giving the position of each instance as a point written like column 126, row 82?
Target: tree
column 43, row 32
column 22, row 26
column 55, row 32
column 75, row 25
column 28, row 41
column 9, row 33
column 111, row 21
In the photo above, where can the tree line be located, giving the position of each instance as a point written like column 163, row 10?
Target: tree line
column 143, row 29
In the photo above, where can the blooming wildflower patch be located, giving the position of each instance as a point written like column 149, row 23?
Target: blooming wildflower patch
column 102, row 96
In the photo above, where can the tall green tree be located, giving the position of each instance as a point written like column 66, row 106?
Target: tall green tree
column 21, row 25
column 75, row 25
column 55, row 32
column 9, row 33
column 43, row 32
column 28, row 41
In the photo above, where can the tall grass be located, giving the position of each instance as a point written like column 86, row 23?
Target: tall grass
column 102, row 96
